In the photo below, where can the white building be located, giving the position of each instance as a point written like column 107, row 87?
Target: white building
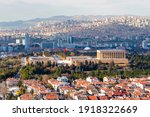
column 146, row 44
column 92, row 79
column 62, row 79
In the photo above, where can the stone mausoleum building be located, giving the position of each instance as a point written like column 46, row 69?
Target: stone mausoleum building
column 116, row 56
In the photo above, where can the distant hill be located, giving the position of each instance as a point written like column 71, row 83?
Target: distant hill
column 33, row 22
column 26, row 24
column 16, row 25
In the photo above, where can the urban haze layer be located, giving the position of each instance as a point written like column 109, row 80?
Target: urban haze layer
column 75, row 58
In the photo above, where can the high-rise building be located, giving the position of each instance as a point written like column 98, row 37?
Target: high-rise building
column 60, row 43
column 21, row 40
column 146, row 44
column 18, row 41
column 27, row 42
column 69, row 40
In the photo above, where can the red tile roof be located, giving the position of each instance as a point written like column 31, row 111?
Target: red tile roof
column 92, row 98
column 51, row 96
column 67, row 88
column 26, row 97
column 102, row 97
column 12, row 79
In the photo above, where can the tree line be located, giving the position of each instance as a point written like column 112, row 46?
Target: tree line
column 139, row 65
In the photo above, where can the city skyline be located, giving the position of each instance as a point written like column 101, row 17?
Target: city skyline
column 12, row 10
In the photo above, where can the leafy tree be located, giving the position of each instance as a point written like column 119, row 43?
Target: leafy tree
column 32, row 91
column 19, row 83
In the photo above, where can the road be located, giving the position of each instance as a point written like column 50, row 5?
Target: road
column 23, row 63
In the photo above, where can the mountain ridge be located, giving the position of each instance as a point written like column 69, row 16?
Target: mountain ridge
column 21, row 24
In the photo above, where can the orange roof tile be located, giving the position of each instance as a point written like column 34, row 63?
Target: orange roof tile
column 67, row 88
column 51, row 96
column 102, row 97
column 26, row 97
column 92, row 97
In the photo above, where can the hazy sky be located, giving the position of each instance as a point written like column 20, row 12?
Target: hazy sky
column 11, row 10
